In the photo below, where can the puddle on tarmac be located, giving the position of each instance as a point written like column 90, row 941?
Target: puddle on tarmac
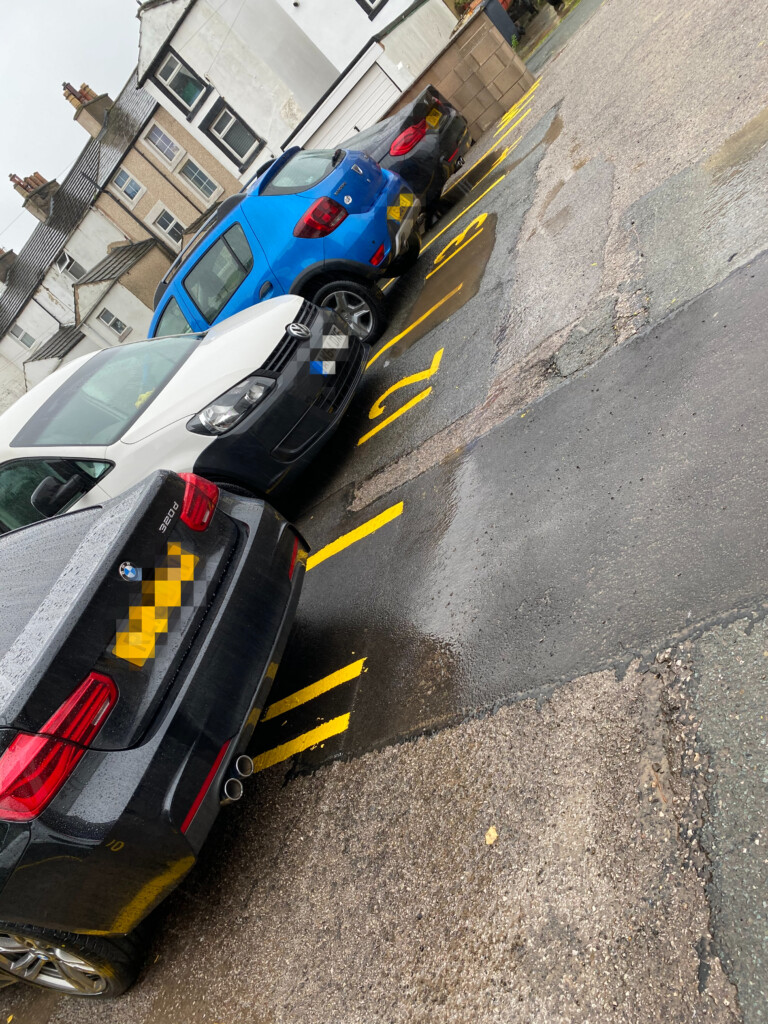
column 552, row 133
column 737, row 150
column 463, row 185
column 465, row 269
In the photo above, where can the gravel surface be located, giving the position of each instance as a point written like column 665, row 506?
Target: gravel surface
column 374, row 891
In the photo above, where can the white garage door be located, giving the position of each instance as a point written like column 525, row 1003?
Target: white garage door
column 364, row 104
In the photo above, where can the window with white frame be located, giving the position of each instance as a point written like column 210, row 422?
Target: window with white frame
column 163, row 143
column 170, row 226
column 233, row 135
column 128, row 185
column 196, row 176
column 21, row 335
column 181, row 81
column 65, row 264
column 109, row 318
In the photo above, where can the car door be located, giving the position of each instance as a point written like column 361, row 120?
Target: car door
column 231, row 275
column 74, row 481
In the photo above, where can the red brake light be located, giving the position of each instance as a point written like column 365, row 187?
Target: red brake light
column 294, row 556
column 200, row 499
column 33, row 768
column 406, row 140
column 323, row 217
column 378, row 256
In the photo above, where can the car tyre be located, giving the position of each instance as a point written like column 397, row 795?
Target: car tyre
column 88, row 966
column 357, row 303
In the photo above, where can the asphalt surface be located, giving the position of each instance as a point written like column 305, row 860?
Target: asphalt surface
column 514, row 765
column 568, row 27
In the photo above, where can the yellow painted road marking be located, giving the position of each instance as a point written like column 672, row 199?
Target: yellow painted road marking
column 303, row 742
column 308, row 693
column 410, row 327
column 459, row 216
column 355, row 535
column 513, row 111
column 454, row 253
column 377, row 409
column 399, row 412
column 505, row 153
column 510, row 130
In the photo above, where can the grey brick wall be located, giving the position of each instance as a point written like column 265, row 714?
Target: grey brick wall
column 478, row 72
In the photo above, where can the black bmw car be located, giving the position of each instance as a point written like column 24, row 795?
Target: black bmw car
column 425, row 143
column 138, row 643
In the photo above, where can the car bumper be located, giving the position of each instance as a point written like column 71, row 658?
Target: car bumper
column 129, row 824
column 284, row 432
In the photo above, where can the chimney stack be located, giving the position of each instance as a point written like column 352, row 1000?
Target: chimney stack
column 38, row 193
column 77, row 97
column 90, row 110
column 7, row 259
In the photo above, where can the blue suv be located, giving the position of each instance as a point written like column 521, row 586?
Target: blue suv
column 322, row 224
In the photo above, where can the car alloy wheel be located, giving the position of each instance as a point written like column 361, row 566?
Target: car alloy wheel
column 354, row 308
column 30, row 959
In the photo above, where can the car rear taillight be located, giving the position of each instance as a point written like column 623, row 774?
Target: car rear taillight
column 294, row 556
column 34, row 768
column 200, row 499
column 323, row 217
column 406, row 140
column 378, row 256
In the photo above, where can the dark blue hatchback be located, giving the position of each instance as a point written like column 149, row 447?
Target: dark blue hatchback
column 323, row 224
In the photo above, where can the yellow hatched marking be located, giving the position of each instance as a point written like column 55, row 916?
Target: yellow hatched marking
column 308, row 693
column 460, row 215
column 510, row 130
column 515, row 109
column 377, row 409
column 301, row 743
column 390, row 419
column 505, row 153
column 355, row 535
column 410, row 327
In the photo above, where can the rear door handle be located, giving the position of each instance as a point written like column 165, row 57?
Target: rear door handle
column 265, row 289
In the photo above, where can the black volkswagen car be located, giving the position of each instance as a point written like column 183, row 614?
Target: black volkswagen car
column 138, row 643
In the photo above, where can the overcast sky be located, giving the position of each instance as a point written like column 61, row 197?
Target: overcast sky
column 45, row 43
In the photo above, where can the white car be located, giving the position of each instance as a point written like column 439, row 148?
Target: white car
column 244, row 404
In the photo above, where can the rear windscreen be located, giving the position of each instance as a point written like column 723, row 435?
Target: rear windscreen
column 100, row 401
column 304, row 170
column 31, row 561
column 377, row 139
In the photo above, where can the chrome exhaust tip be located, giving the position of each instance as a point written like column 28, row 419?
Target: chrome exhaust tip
column 231, row 791
column 244, row 766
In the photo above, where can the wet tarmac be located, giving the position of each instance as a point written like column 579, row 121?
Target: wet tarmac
column 487, row 588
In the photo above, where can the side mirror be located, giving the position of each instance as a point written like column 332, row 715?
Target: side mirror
column 50, row 496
